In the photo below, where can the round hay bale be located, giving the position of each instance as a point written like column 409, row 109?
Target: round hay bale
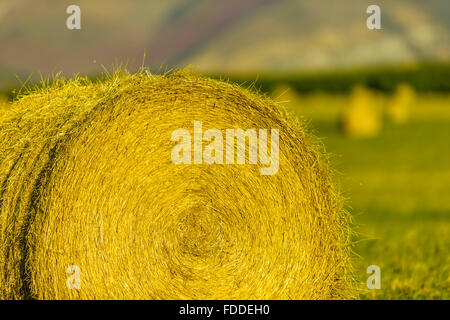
column 362, row 118
column 88, row 184
column 3, row 104
column 398, row 108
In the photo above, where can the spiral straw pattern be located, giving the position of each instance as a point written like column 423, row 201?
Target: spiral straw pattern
column 86, row 179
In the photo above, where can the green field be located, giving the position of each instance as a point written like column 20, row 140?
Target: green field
column 397, row 187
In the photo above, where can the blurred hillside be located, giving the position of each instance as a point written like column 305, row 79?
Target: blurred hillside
column 217, row 36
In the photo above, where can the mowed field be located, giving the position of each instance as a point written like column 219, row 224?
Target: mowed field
column 397, row 186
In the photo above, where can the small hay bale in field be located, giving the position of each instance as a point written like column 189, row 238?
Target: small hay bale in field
column 3, row 103
column 362, row 118
column 399, row 107
column 87, row 180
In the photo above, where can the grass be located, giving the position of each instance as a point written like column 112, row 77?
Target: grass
column 397, row 185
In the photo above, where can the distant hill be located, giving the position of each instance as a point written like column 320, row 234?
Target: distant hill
column 217, row 36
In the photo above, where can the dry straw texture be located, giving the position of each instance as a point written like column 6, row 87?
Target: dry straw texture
column 86, row 179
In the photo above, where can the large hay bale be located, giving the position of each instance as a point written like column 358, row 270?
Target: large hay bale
column 87, row 179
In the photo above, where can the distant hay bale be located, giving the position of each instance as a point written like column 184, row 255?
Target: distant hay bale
column 362, row 118
column 3, row 103
column 87, row 180
column 399, row 107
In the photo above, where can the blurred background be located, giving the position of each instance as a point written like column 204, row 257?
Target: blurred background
column 378, row 99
